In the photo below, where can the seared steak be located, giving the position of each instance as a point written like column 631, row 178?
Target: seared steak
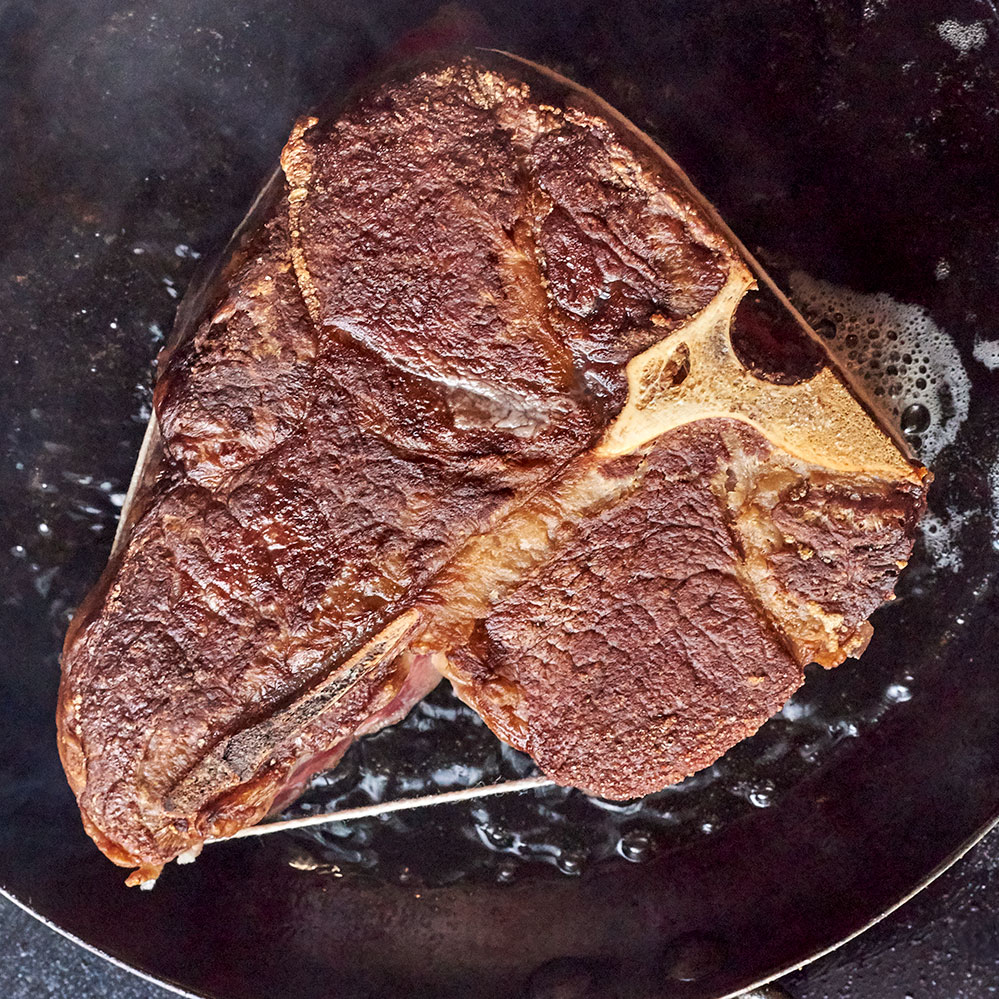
column 482, row 388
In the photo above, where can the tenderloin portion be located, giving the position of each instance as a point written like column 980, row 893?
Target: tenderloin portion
column 482, row 387
column 663, row 628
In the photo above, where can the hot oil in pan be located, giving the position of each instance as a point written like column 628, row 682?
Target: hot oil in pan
column 911, row 369
column 443, row 745
column 915, row 374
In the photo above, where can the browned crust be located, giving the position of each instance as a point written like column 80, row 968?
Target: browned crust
column 394, row 380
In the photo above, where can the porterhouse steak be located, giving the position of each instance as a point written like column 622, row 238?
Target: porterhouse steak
column 484, row 389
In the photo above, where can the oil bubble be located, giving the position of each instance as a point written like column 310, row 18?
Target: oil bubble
column 506, row 872
column 915, row 419
column 897, row 693
column 636, row 846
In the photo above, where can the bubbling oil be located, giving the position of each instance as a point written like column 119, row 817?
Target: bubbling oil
column 556, row 831
column 910, row 368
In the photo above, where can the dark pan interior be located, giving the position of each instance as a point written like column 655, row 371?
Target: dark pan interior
column 855, row 141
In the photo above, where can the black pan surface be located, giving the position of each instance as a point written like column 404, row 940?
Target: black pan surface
column 853, row 141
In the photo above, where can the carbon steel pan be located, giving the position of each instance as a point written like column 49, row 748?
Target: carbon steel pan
column 852, row 146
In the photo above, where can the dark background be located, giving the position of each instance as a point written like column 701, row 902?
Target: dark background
column 134, row 135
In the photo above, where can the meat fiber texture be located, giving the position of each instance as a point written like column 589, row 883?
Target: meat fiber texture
column 483, row 388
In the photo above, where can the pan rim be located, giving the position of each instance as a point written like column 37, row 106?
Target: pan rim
column 949, row 861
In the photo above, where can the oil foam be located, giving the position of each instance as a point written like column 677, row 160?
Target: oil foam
column 898, row 352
